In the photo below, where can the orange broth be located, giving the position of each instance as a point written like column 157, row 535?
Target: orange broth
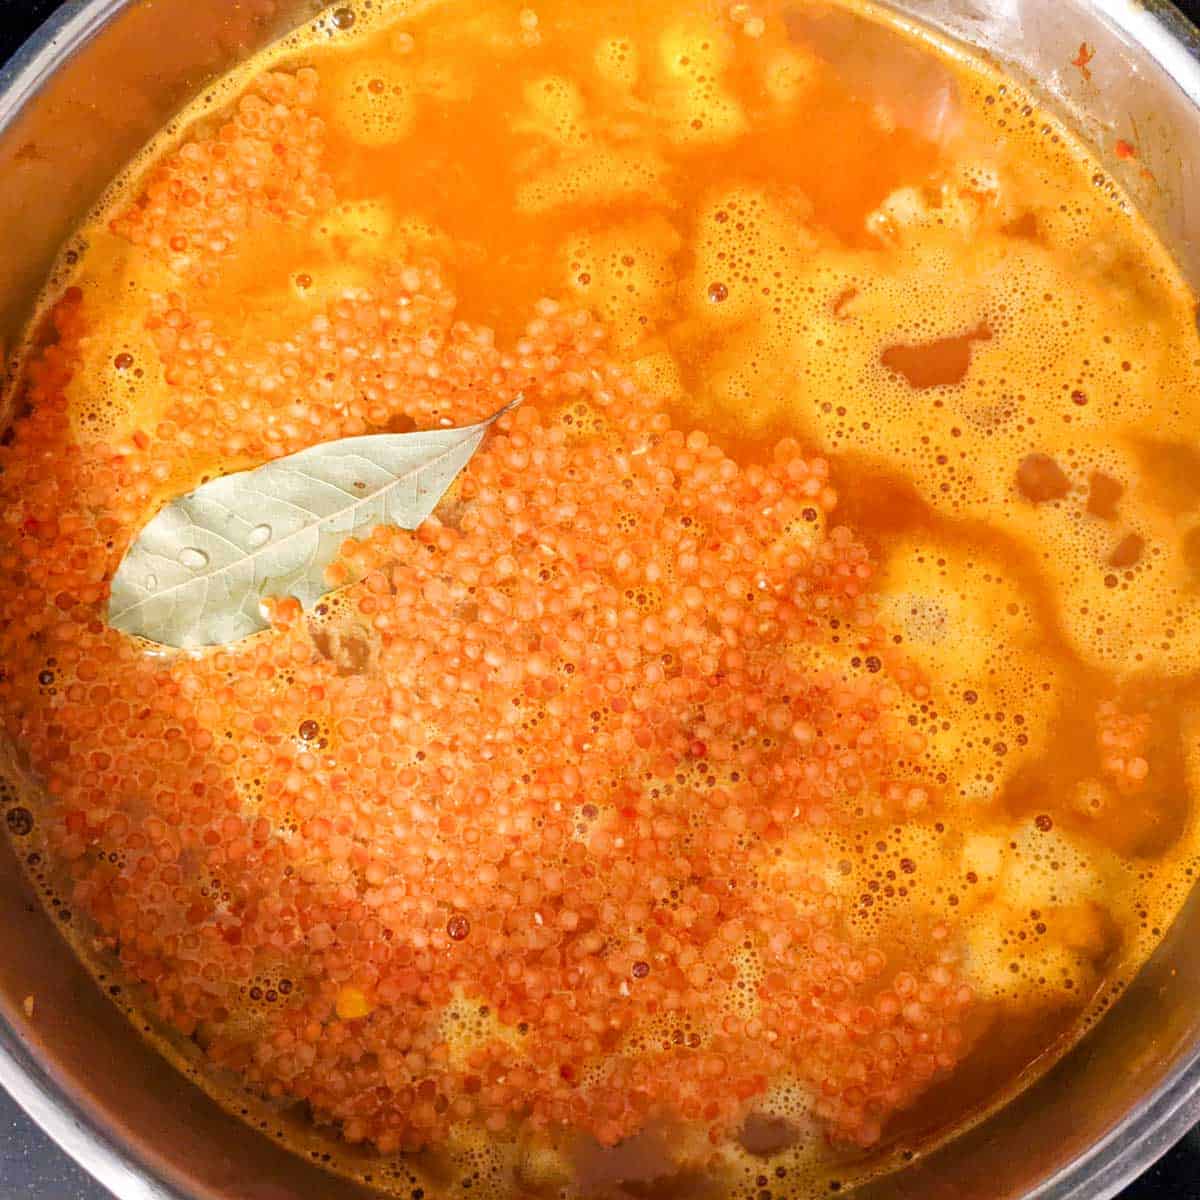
column 779, row 745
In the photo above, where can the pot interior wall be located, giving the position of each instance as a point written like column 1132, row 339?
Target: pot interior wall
column 88, row 1077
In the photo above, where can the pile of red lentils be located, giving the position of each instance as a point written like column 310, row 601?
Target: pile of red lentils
column 538, row 762
column 265, row 162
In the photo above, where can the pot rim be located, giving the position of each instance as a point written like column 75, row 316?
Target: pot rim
column 130, row 1172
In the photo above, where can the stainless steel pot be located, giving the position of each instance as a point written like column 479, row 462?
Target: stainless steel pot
column 75, row 104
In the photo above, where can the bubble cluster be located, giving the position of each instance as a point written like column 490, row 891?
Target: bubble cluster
column 698, row 109
column 374, row 102
column 625, row 275
column 994, row 684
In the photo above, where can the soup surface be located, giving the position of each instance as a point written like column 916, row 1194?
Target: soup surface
column 778, row 745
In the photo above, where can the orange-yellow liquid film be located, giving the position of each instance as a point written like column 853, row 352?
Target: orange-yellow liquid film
column 782, row 740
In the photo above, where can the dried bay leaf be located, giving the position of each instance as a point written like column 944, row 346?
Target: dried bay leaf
column 198, row 572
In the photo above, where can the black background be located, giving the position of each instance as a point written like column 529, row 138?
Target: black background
column 32, row 1168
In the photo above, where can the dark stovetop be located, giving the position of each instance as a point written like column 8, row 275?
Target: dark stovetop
column 33, row 1168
